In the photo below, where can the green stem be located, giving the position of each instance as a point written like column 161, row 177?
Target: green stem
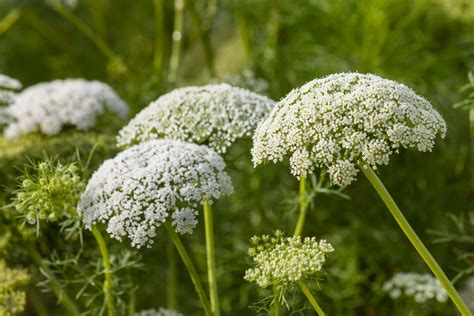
column 158, row 53
column 244, row 33
column 303, row 208
column 276, row 305
column 171, row 278
column 415, row 240
column 89, row 33
column 37, row 302
column 191, row 269
column 132, row 302
column 203, row 30
column 107, row 271
column 311, row 298
column 176, row 40
column 10, row 20
column 211, row 258
column 60, row 293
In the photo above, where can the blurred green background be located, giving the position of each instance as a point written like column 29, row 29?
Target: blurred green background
column 144, row 48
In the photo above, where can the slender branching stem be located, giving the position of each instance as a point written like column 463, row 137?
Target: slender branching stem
column 60, row 293
column 211, row 258
column 171, row 275
column 89, row 33
column 276, row 304
column 415, row 240
column 176, row 40
column 311, row 298
column 107, row 288
column 303, row 200
column 190, row 267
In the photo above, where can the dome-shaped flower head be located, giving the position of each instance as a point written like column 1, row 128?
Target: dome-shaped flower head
column 281, row 260
column 8, row 86
column 50, row 106
column 158, row 312
column 421, row 287
column 215, row 115
column 148, row 184
column 343, row 120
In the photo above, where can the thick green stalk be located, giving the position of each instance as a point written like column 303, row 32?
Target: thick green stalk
column 176, row 40
column 415, row 240
column 109, row 298
column 60, row 293
column 171, row 275
column 311, row 298
column 303, row 208
column 191, row 269
column 211, row 258
column 276, row 304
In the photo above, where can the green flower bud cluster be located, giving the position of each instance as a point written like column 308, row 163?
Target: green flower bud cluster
column 49, row 191
column 281, row 260
column 12, row 300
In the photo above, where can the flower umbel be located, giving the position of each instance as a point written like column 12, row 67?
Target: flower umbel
column 158, row 312
column 216, row 115
column 47, row 191
column 12, row 299
column 49, row 107
column 421, row 287
column 343, row 120
column 147, row 184
column 281, row 260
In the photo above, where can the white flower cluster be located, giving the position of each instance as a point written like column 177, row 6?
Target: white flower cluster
column 8, row 86
column 216, row 115
column 50, row 106
column 138, row 189
column 158, row 312
column 281, row 260
column 421, row 287
column 343, row 120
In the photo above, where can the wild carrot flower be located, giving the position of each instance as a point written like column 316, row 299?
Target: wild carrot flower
column 158, row 312
column 47, row 191
column 421, row 287
column 281, row 260
column 49, row 107
column 216, row 115
column 8, row 88
column 148, row 184
column 12, row 298
column 343, row 120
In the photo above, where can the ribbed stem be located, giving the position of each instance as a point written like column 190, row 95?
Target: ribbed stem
column 60, row 293
column 311, row 298
column 211, row 258
column 276, row 304
column 107, row 288
column 176, row 40
column 415, row 240
column 303, row 208
column 190, row 267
